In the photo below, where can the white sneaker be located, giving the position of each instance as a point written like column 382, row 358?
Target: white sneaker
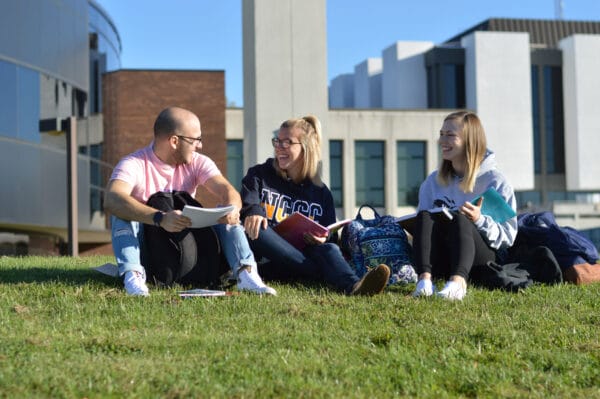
column 249, row 280
column 135, row 284
column 453, row 291
column 424, row 288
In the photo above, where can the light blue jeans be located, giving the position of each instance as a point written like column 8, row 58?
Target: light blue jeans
column 128, row 236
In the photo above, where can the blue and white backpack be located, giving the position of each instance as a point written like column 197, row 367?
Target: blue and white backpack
column 370, row 242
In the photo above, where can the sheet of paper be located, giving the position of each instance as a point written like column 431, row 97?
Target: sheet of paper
column 201, row 292
column 204, row 217
column 109, row 269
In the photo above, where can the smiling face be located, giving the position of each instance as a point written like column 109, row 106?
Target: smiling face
column 290, row 159
column 452, row 143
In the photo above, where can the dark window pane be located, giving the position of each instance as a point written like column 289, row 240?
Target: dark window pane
column 235, row 162
column 553, row 114
column 526, row 199
column 28, row 103
column 410, row 156
column 369, row 173
column 8, row 103
column 535, row 106
column 336, row 179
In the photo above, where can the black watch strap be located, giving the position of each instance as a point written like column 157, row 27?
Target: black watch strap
column 157, row 218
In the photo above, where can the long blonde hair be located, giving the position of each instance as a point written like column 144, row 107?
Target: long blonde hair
column 473, row 135
column 310, row 138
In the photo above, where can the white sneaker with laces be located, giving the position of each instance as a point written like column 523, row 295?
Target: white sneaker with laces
column 424, row 288
column 135, row 284
column 249, row 280
column 453, row 291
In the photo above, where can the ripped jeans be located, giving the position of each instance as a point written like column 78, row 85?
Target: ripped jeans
column 128, row 238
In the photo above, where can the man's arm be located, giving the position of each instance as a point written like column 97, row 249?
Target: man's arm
column 119, row 202
column 227, row 195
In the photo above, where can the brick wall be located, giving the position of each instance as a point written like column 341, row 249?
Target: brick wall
column 133, row 98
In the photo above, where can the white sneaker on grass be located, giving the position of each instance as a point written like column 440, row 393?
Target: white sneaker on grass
column 453, row 291
column 249, row 280
column 424, row 288
column 135, row 284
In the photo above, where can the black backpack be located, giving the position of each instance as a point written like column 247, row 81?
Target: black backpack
column 192, row 257
column 568, row 245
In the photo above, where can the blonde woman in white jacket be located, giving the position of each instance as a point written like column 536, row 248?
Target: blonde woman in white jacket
column 448, row 249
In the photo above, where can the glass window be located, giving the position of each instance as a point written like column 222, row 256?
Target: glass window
column 557, row 196
column 548, row 119
column 445, row 78
column 369, row 169
column 28, row 104
column 336, row 167
column 8, row 103
column 410, row 161
column 108, row 40
column 535, row 106
column 553, row 114
column 235, row 162
column 452, row 85
column 527, row 199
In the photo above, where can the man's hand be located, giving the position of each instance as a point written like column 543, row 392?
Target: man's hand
column 174, row 221
column 232, row 217
column 472, row 212
column 253, row 224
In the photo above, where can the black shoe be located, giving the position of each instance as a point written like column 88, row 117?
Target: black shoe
column 373, row 282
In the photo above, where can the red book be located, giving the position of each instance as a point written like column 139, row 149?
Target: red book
column 296, row 225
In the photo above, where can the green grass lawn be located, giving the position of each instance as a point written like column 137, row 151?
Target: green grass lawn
column 68, row 331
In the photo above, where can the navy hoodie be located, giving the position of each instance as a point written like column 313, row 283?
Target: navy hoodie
column 266, row 193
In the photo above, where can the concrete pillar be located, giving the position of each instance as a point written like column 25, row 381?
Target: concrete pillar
column 581, row 93
column 285, row 71
column 498, row 88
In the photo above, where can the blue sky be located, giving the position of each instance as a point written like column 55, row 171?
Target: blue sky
column 207, row 34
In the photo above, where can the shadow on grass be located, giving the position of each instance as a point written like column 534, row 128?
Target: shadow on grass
column 55, row 275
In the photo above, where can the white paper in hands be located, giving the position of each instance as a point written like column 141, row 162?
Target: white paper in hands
column 204, row 217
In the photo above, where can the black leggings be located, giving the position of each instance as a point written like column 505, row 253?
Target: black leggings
column 446, row 248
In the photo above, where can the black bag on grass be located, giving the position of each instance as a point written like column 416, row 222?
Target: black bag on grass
column 189, row 257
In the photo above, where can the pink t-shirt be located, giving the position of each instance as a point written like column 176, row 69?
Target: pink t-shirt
column 148, row 175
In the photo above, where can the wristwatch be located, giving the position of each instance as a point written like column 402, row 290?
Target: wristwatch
column 157, row 218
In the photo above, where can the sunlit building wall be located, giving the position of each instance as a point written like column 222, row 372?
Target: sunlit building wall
column 52, row 55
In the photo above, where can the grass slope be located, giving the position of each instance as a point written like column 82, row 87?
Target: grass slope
column 68, row 331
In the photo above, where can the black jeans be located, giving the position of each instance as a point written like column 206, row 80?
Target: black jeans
column 323, row 262
column 446, row 248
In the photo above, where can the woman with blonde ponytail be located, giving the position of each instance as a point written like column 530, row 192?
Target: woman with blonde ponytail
column 449, row 249
column 289, row 183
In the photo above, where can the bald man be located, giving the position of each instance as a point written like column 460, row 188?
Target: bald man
column 172, row 162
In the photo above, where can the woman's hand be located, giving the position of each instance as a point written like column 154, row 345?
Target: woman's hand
column 311, row 239
column 253, row 224
column 472, row 212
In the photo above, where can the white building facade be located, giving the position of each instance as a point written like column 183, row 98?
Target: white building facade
column 535, row 85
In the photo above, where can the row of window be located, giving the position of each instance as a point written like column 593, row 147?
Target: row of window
column 368, row 170
column 370, row 175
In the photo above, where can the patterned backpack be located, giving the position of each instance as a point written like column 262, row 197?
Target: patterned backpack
column 367, row 243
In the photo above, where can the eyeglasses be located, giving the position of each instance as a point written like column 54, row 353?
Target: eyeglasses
column 193, row 140
column 282, row 143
